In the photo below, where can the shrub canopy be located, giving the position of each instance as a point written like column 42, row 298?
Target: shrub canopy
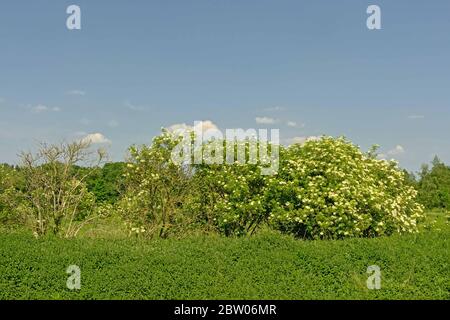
column 329, row 188
column 325, row 188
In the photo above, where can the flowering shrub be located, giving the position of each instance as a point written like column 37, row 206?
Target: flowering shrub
column 155, row 187
column 56, row 199
column 328, row 188
column 230, row 198
column 325, row 188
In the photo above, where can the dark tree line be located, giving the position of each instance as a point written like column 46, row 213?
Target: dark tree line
column 107, row 182
column 433, row 184
column 106, row 185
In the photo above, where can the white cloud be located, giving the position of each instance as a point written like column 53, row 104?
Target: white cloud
column 291, row 124
column 276, row 108
column 96, row 138
column 204, row 126
column 396, row 151
column 43, row 108
column 179, row 128
column 76, row 92
column 133, row 107
column 265, row 120
column 294, row 124
column 416, row 116
column 39, row 108
column 207, row 127
column 301, row 140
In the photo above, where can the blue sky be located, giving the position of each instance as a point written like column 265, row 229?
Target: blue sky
column 136, row 66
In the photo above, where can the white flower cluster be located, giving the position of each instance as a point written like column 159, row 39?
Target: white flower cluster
column 334, row 190
column 326, row 188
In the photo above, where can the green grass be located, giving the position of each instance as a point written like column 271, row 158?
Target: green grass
column 266, row 266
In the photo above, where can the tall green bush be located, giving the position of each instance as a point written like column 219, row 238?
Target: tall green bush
column 11, row 197
column 434, row 186
column 230, row 198
column 155, row 188
column 328, row 188
column 56, row 199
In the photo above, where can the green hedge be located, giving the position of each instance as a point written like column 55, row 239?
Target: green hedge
column 266, row 266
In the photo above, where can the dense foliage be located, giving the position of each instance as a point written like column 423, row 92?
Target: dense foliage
column 434, row 186
column 107, row 183
column 54, row 197
column 155, row 188
column 266, row 266
column 230, row 197
column 10, row 197
column 329, row 188
column 324, row 188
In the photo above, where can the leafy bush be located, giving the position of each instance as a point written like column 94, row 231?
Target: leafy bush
column 107, row 182
column 328, row 188
column 230, row 198
column 434, row 186
column 10, row 196
column 264, row 267
column 55, row 195
column 155, row 188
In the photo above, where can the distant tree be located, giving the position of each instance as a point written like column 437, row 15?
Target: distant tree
column 434, row 185
column 107, row 182
column 10, row 196
column 410, row 178
column 57, row 198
